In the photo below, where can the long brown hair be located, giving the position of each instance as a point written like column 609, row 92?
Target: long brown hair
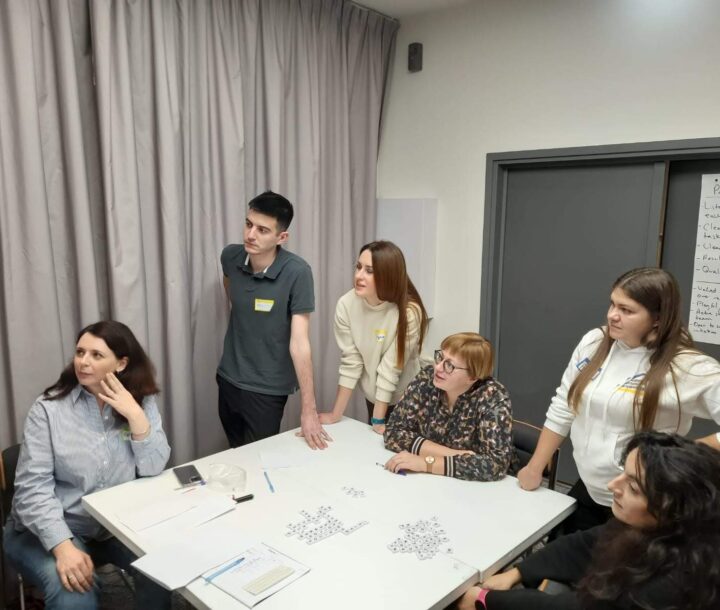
column 392, row 284
column 138, row 376
column 657, row 291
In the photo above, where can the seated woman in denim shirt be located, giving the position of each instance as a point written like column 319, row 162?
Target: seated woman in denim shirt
column 96, row 427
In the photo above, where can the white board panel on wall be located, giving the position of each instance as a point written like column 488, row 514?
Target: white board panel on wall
column 411, row 224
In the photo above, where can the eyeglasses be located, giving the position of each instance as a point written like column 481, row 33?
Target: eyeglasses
column 448, row 366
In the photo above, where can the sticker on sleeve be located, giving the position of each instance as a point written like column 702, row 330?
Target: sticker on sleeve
column 265, row 305
column 583, row 363
column 380, row 334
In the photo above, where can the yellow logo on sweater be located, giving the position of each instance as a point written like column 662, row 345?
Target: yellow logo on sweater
column 631, row 384
column 380, row 334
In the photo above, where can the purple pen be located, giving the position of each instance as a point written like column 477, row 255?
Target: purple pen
column 402, row 472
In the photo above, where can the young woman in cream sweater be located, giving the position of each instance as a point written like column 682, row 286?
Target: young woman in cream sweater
column 379, row 327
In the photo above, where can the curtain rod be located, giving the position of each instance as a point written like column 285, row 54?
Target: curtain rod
column 372, row 10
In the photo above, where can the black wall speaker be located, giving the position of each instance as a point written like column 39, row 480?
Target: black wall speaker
column 415, row 57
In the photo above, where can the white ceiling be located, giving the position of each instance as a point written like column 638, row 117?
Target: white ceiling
column 405, row 8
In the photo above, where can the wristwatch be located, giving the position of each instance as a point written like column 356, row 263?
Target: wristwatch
column 429, row 461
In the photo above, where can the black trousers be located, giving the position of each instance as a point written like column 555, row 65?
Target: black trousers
column 588, row 513
column 248, row 416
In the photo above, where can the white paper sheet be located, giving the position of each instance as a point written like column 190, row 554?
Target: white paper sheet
column 157, row 512
column 199, row 550
column 180, row 511
column 286, row 459
column 705, row 300
column 256, row 562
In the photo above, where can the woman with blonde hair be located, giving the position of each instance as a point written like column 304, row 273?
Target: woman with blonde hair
column 640, row 372
column 454, row 419
column 379, row 327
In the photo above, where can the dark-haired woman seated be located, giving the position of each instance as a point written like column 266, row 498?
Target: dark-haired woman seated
column 96, row 427
column 454, row 418
column 660, row 552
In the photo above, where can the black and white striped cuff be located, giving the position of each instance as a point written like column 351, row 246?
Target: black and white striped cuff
column 449, row 465
column 417, row 443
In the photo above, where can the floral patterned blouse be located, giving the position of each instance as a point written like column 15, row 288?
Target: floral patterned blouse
column 480, row 421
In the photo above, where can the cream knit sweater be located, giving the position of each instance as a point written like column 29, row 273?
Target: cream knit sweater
column 366, row 336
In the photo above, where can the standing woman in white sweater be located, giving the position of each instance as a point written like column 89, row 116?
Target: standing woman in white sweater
column 640, row 372
column 379, row 327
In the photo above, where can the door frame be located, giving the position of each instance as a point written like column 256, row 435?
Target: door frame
column 496, row 175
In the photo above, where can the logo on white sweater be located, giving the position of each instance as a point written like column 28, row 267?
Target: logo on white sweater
column 583, row 363
column 631, row 384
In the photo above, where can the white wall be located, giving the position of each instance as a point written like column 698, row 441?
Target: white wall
column 502, row 75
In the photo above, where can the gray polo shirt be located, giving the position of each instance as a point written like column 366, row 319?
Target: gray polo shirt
column 256, row 353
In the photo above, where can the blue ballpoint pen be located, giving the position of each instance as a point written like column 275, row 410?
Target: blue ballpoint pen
column 224, row 569
column 269, row 482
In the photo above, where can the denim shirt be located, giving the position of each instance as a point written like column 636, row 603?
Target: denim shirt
column 72, row 449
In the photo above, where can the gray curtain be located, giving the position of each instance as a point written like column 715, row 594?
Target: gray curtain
column 132, row 133
column 52, row 227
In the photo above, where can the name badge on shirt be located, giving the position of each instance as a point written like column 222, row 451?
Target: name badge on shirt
column 265, row 305
column 583, row 363
column 380, row 334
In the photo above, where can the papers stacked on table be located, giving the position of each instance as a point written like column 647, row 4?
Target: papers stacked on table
column 239, row 565
column 198, row 550
column 256, row 574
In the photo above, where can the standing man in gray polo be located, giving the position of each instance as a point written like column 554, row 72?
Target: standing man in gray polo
column 266, row 353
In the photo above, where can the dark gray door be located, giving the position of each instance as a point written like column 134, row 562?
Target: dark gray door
column 568, row 233
column 681, row 218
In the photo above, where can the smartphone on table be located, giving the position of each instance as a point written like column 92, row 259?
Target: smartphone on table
column 188, row 475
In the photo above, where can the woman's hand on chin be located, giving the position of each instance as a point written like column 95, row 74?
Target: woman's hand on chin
column 113, row 392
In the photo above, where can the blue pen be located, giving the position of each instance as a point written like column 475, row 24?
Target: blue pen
column 224, row 569
column 269, row 482
column 402, row 472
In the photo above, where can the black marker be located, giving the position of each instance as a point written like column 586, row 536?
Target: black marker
column 243, row 498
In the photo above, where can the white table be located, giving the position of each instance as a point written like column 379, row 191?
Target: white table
column 488, row 523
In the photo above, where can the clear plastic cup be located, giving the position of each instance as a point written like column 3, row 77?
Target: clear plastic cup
column 227, row 478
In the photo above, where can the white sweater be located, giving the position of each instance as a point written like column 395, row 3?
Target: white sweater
column 366, row 336
column 604, row 424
